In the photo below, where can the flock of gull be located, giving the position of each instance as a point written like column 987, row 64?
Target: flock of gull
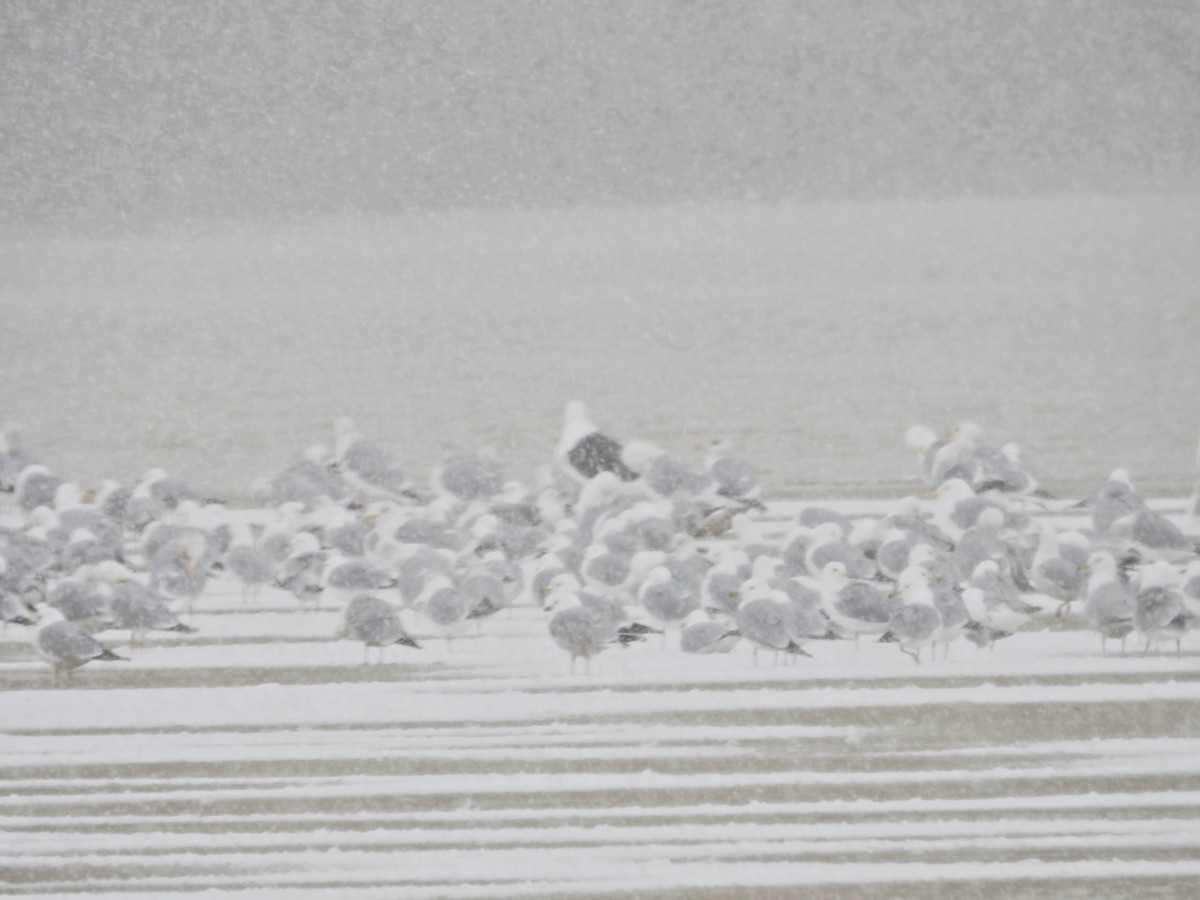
column 615, row 542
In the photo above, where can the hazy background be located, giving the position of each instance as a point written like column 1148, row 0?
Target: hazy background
column 165, row 109
column 806, row 224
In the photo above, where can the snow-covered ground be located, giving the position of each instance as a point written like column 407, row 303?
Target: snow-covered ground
column 261, row 758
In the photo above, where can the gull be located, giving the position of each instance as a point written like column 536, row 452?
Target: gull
column 301, row 571
column 927, row 445
column 768, row 620
column 80, row 600
column 990, row 469
column 445, row 605
column 248, row 564
column 1154, row 536
column 1053, row 575
column 993, row 590
column 915, row 625
column 13, row 458
column 179, row 568
column 307, row 479
column 704, row 636
column 580, row 625
column 721, row 590
column 470, row 478
column 1159, row 613
column 368, row 469
column 1189, row 588
column 830, row 545
column 35, row 487
column 982, row 541
column 855, row 607
column 138, row 610
column 663, row 473
column 65, row 645
column 665, row 599
column 1113, row 500
column 583, row 452
column 345, row 578
column 1110, row 602
column 376, row 623
column 734, row 478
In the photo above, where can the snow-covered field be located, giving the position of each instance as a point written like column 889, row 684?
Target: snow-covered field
column 261, row 758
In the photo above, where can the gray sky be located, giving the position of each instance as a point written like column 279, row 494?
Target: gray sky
column 153, row 110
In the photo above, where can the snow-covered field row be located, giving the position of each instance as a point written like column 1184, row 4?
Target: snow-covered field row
column 261, row 758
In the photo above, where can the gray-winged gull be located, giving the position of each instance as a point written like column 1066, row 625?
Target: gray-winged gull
column 138, row 610
column 36, row 486
column 580, row 627
column 1053, row 575
column 855, row 607
column 701, row 635
column 179, row 569
column 367, row 468
column 1159, row 613
column 769, row 621
column 663, row 473
column 13, row 457
column 1110, row 602
column 1189, row 588
column 65, row 645
column 376, row 623
column 733, row 478
column 666, row 599
column 917, row 623
column 301, row 571
column 445, row 605
column 470, row 478
column 829, row 544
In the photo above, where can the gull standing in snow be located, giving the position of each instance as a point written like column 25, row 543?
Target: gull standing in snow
column 470, row 478
column 65, row 645
column 1159, row 613
column 368, row 469
column 722, row 587
column 926, row 444
column 446, row 606
column 36, row 486
column 1053, row 575
column 995, row 591
column 179, row 568
column 376, row 623
column 580, row 627
column 734, row 478
column 663, row 473
column 1113, row 500
column 768, row 621
column 855, row 607
column 138, row 610
column 916, row 625
column 248, row 563
column 701, row 635
column 666, row 600
column 830, row 545
column 1189, row 588
column 344, row 579
column 1154, row 536
column 13, row 458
